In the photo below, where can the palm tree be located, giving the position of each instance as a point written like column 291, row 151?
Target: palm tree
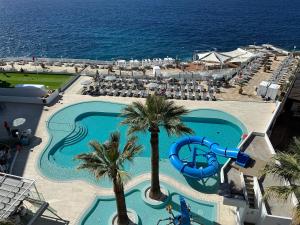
column 285, row 166
column 155, row 113
column 106, row 160
column 6, row 222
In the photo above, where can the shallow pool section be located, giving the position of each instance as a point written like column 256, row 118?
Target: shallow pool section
column 203, row 212
column 73, row 127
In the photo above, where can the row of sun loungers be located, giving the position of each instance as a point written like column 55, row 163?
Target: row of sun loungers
column 141, row 88
column 190, row 95
column 246, row 73
column 115, row 92
column 144, row 93
column 279, row 76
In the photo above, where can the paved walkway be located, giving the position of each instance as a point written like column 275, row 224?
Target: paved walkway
column 71, row 199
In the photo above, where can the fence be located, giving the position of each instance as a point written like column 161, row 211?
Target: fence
column 53, row 60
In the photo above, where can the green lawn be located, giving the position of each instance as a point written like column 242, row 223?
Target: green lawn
column 51, row 81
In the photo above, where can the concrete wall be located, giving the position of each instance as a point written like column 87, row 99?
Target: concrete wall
column 234, row 202
column 274, row 220
column 276, row 113
column 19, row 99
column 265, row 218
column 52, row 97
column 240, row 215
column 22, row 92
column 32, row 100
column 253, row 215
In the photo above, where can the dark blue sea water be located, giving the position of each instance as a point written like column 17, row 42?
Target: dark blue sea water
column 107, row 29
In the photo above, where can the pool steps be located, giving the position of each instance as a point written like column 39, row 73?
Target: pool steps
column 79, row 133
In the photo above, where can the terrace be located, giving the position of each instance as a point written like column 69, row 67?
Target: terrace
column 245, row 187
column 255, row 115
column 21, row 201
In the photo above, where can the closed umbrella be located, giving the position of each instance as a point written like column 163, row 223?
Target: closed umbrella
column 152, row 85
column 18, row 122
column 86, row 82
column 110, row 78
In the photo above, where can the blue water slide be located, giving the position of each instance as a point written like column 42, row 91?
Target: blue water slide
column 189, row 168
column 242, row 159
column 185, row 213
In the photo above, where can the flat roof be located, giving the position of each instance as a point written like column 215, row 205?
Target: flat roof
column 13, row 190
column 259, row 151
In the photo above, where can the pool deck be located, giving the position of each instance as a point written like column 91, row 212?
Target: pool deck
column 71, row 199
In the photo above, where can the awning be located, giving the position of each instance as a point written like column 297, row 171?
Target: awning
column 213, row 57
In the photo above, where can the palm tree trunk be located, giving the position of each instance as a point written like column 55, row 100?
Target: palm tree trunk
column 155, row 192
column 121, row 204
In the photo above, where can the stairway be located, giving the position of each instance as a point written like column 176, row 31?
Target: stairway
column 250, row 191
column 77, row 135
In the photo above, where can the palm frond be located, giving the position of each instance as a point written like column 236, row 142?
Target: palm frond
column 171, row 110
column 280, row 192
column 296, row 215
column 284, row 165
column 123, row 176
column 137, row 127
column 106, row 160
column 135, row 114
column 112, row 147
column 99, row 151
column 157, row 111
column 176, row 127
column 294, row 146
column 6, row 222
column 131, row 149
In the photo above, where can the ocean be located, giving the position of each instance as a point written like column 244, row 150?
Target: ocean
column 115, row 29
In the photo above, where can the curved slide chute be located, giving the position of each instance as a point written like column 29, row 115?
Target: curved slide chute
column 190, row 169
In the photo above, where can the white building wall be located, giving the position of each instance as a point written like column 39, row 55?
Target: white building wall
column 240, row 215
column 274, row 220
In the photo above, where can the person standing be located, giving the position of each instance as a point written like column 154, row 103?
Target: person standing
column 6, row 126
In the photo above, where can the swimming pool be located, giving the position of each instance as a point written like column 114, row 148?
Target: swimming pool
column 71, row 129
column 203, row 212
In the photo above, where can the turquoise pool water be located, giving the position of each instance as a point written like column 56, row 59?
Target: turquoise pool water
column 203, row 212
column 73, row 127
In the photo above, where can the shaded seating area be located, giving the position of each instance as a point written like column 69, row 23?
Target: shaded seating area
column 184, row 89
column 20, row 201
column 284, row 70
column 13, row 191
column 245, row 74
